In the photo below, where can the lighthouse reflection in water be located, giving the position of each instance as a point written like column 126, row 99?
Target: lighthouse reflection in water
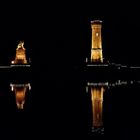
column 20, row 91
column 96, row 93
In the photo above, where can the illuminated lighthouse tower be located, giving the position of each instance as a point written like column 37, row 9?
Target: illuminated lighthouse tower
column 96, row 49
column 20, row 54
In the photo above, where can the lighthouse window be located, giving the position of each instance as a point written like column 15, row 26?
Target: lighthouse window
column 97, row 34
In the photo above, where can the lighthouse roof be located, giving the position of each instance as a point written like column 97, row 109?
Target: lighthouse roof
column 96, row 22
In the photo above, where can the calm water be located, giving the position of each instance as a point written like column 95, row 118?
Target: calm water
column 48, row 108
column 115, row 109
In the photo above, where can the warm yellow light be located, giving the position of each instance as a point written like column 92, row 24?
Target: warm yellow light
column 97, row 106
column 96, row 47
column 20, row 93
column 20, row 54
column 20, row 99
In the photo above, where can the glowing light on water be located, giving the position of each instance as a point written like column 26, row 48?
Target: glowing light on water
column 20, row 93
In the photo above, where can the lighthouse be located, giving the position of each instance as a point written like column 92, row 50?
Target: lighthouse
column 96, row 46
column 20, row 54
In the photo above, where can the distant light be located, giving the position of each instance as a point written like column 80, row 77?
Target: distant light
column 86, row 59
column 12, row 62
column 29, row 86
column 12, row 88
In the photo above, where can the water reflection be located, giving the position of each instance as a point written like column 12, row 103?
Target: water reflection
column 97, row 99
column 20, row 93
column 98, row 92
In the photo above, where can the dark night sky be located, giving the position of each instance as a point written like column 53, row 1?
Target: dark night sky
column 64, row 32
